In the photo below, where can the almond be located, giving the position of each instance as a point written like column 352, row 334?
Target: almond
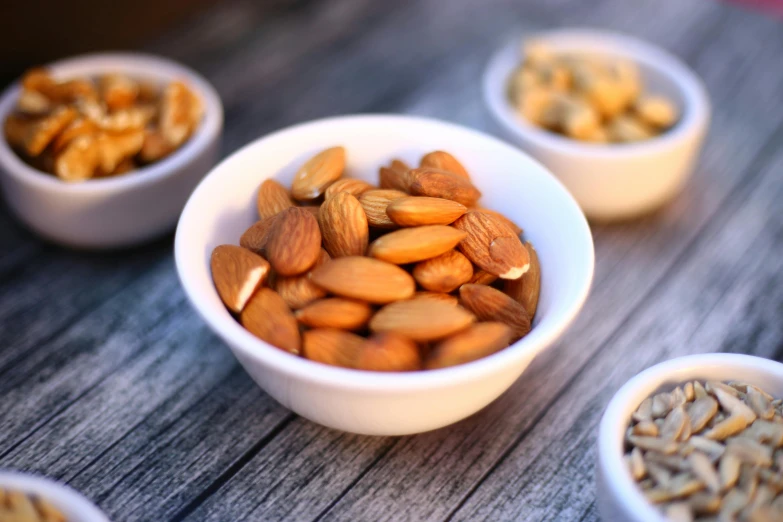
column 335, row 312
column 490, row 304
column 272, row 198
column 294, row 242
column 444, row 161
column 268, row 317
column 437, row 296
column 344, row 226
column 375, row 203
column 312, row 209
column 333, row 347
column 416, row 210
column 298, row 291
column 443, row 273
column 440, row 184
column 365, row 279
column 350, row 185
column 482, row 277
column 313, row 177
column 237, row 274
column 395, row 176
column 389, row 352
column 256, row 237
column 415, row 244
column 516, row 229
column 492, row 246
column 478, row 341
column 527, row 288
column 421, row 320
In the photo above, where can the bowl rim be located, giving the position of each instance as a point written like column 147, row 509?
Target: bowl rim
column 152, row 66
column 619, row 482
column 58, row 494
column 227, row 328
column 695, row 116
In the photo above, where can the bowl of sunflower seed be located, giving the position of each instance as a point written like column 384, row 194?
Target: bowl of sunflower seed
column 30, row 498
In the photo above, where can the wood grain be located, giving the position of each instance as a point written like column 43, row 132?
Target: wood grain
column 110, row 382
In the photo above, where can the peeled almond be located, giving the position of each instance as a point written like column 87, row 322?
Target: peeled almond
column 415, row 211
column 421, row 320
column 365, row 279
column 237, row 273
column 415, row 244
column 478, row 341
column 268, row 317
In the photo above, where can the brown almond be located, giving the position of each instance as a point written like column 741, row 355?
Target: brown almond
column 315, row 210
column 421, row 320
column 365, row 279
column 444, row 161
column 272, row 198
column 437, row 296
column 352, row 186
column 344, row 226
column 294, row 243
column 389, row 352
column 395, row 176
column 335, row 312
column 415, row 244
column 440, row 184
column 268, row 317
column 490, row 304
column 482, row 277
column 527, row 288
column 513, row 226
column 375, row 202
column 256, row 237
column 491, row 245
column 444, row 273
column 237, row 273
column 298, row 291
column 478, row 341
column 415, row 211
column 312, row 179
column 331, row 346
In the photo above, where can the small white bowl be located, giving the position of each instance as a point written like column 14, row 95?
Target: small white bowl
column 619, row 498
column 610, row 181
column 71, row 503
column 223, row 206
column 118, row 211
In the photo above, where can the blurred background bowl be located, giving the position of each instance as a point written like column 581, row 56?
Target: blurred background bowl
column 124, row 210
column 68, row 501
column 619, row 498
column 610, row 181
column 223, row 206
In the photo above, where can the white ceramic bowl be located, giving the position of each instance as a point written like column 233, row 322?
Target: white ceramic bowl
column 617, row 180
column 618, row 496
column 123, row 210
column 223, row 206
column 72, row 504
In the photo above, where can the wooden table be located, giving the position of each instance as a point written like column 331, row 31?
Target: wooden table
column 110, row 382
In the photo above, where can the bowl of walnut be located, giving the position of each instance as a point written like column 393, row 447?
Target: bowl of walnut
column 696, row 438
column 618, row 120
column 31, row 498
column 372, row 273
column 102, row 151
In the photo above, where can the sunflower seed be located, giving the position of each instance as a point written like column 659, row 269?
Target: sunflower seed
column 666, row 447
column 748, row 480
column 734, row 405
column 674, row 423
column 760, row 405
column 701, row 412
column 684, row 484
column 750, row 451
column 698, row 390
column 679, row 512
column 644, row 411
column 688, row 390
column 732, row 504
column 727, row 428
column 659, row 474
column 711, row 386
column 646, row 428
column 637, row 467
column 661, row 405
column 765, row 432
column 729, row 470
column 702, row 467
column 704, row 503
column 713, row 448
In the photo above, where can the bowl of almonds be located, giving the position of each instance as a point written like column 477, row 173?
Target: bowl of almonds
column 102, row 151
column 618, row 120
column 372, row 272
column 697, row 438
column 30, row 498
